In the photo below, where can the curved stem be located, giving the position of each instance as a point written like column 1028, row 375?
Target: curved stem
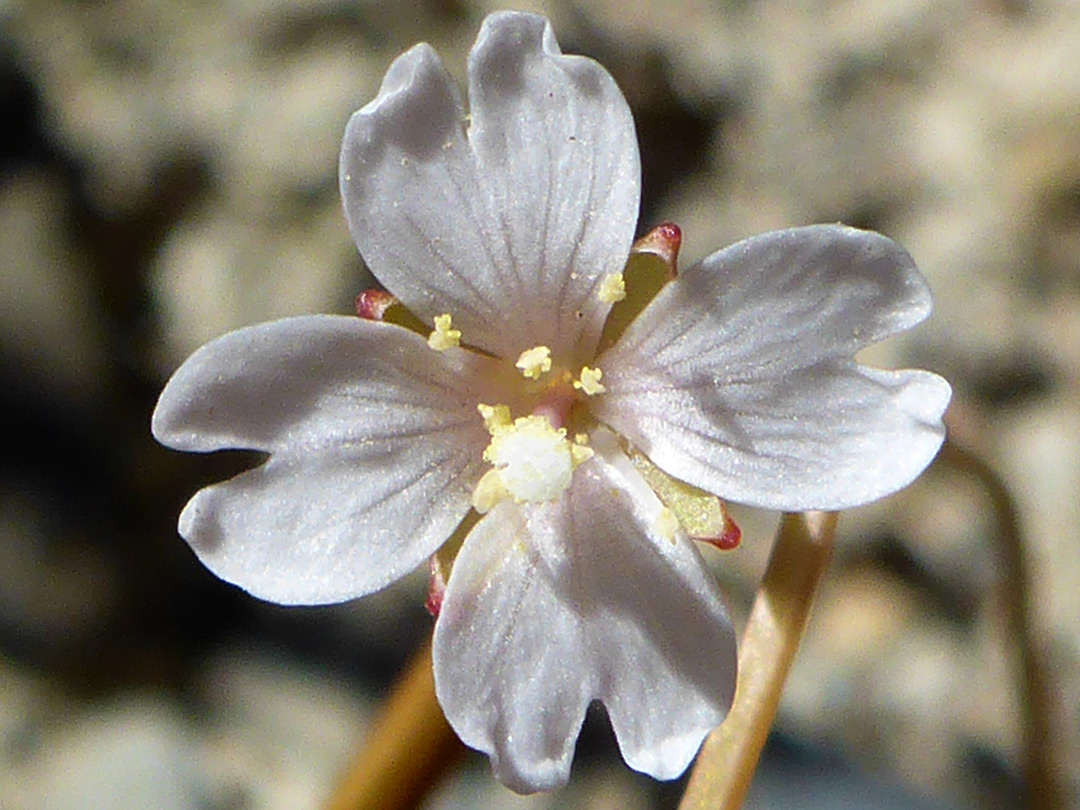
column 1043, row 790
column 409, row 746
column 727, row 761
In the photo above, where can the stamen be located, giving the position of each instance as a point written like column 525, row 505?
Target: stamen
column 443, row 337
column 579, row 454
column 534, row 362
column 700, row 513
column 650, row 266
column 667, row 524
column 590, row 381
column 489, row 491
column 612, row 288
column 495, row 417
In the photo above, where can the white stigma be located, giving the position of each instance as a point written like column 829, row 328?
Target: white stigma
column 533, row 461
column 667, row 524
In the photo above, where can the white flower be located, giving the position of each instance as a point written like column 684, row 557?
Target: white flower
column 505, row 231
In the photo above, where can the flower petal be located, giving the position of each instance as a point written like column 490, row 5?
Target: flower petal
column 550, row 606
column 510, row 226
column 375, row 447
column 738, row 377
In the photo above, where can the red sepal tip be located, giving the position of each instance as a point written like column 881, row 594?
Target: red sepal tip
column 436, row 587
column 663, row 241
column 371, row 305
column 728, row 541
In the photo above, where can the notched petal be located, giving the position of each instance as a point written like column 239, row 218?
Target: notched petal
column 510, row 227
column 551, row 606
column 738, row 378
column 502, row 62
column 556, row 139
column 417, row 111
column 374, row 443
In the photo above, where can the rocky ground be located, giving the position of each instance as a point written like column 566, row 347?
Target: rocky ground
column 168, row 173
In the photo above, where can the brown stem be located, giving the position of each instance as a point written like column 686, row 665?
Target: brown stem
column 727, row 761
column 409, row 746
column 1043, row 791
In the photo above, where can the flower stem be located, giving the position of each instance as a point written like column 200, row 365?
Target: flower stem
column 1042, row 787
column 409, row 746
column 727, row 761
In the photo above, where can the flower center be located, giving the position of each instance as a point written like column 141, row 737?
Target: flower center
column 532, row 460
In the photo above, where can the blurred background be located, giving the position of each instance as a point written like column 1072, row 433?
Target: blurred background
column 168, row 173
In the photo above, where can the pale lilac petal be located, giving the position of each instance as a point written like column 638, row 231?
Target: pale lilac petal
column 507, row 223
column 551, row 606
column 375, row 446
column 738, row 378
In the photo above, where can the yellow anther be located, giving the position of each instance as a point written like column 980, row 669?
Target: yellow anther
column 579, row 454
column 666, row 524
column 612, row 288
column 443, row 337
column 534, row 362
column 590, row 381
column 495, row 417
column 581, row 438
column 489, row 491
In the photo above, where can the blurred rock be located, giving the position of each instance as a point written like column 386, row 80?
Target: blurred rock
column 56, row 589
column 50, row 321
column 589, row 789
column 950, row 126
column 792, row 775
column 219, row 270
column 277, row 733
column 1041, row 460
column 24, row 702
column 135, row 752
